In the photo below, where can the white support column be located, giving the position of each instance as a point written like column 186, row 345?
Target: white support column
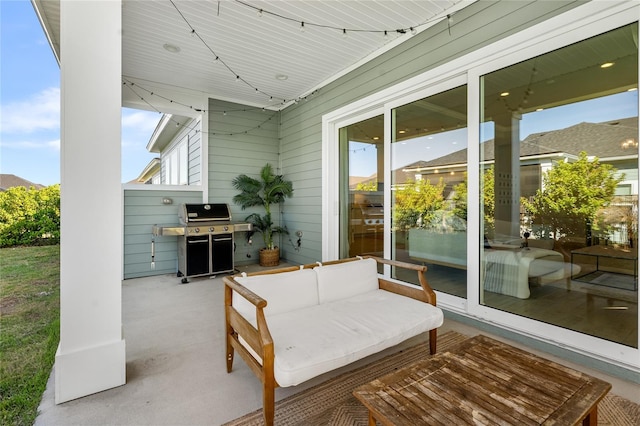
column 91, row 354
column 507, row 175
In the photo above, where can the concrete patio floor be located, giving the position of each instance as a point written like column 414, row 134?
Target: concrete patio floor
column 176, row 373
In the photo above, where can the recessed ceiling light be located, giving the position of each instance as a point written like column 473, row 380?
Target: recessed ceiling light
column 171, row 48
column 281, row 77
column 402, row 132
column 503, row 94
column 607, row 65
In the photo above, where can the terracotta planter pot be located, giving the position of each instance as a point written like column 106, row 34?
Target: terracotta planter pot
column 270, row 257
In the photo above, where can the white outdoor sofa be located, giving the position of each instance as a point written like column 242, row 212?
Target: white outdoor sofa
column 292, row 324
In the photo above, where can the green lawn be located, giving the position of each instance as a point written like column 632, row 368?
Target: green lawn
column 29, row 328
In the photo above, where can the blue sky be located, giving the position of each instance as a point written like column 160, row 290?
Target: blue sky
column 30, row 104
column 363, row 161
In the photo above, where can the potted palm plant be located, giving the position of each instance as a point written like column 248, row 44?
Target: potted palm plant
column 268, row 190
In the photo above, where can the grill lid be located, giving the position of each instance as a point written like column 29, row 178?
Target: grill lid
column 190, row 213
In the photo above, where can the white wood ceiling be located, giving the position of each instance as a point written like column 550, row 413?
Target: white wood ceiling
column 255, row 48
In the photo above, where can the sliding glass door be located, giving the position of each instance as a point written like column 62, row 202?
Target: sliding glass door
column 429, row 188
column 559, row 187
column 513, row 178
column 361, row 188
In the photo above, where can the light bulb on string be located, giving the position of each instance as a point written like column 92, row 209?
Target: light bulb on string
column 386, row 36
column 259, row 13
column 302, row 27
column 344, row 33
column 413, row 31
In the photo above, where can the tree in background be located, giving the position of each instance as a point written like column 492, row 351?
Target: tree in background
column 416, row 203
column 571, row 196
column 30, row 216
column 488, row 200
column 367, row 186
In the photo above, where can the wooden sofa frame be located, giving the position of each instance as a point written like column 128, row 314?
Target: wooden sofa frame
column 259, row 339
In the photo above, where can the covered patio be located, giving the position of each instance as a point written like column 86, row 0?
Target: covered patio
column 202, row 60
column 176, row 370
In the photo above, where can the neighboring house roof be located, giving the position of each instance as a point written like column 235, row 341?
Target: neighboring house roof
column 355, row 180
column 9, row 181
column 166, row 129
column 603, row 140
column 149, row 171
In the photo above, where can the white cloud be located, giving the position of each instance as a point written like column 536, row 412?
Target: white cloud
column 39, row 112
column 54, row 145
column 137, row 127
column 140, row 121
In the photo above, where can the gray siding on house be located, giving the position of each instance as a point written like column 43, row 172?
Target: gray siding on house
column 190, row 131
column 143, row 208
column 242, row 141
column 476, row 26
column 195, row 152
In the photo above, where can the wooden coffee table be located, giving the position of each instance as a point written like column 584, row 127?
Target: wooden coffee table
column 484, row 381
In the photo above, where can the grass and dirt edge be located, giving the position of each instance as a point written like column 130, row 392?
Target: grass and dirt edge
column 29, row 328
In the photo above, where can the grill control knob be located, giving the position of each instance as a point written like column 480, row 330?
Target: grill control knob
column 197, row 230
column 226, row 228
column 211, row 229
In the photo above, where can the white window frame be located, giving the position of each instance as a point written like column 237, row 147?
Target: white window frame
column 573, row 26
column 203, row 186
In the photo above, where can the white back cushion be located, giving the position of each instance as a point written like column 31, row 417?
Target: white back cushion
column 346, row 279
column 284, row 292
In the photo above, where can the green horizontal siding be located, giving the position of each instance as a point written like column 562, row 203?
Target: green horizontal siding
column 475, row 26
column 143, row 208
column 232, row 155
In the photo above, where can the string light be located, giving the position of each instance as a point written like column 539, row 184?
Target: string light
column 193, row 32
column 525, row 96
column 305, row 24
column 217, row 59
column 131, row 85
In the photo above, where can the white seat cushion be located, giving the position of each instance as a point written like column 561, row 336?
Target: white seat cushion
column 346, row 279
column 284, row 292
column 318, row 339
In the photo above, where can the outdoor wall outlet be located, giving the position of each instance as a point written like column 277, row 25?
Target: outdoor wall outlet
column 299, row 234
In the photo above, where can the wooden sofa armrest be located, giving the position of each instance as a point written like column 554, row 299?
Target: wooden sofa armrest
column 426, row 294
column 253, row 298
column 258, row 338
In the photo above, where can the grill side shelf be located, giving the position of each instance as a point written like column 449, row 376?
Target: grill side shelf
column 164, row 231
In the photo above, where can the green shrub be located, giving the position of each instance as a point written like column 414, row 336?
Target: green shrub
column 30, row 216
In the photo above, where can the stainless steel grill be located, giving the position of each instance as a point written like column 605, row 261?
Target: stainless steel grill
column 205, row 239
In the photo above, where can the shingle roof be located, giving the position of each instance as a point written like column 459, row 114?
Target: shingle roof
column 603, row 140
column 9, row 181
